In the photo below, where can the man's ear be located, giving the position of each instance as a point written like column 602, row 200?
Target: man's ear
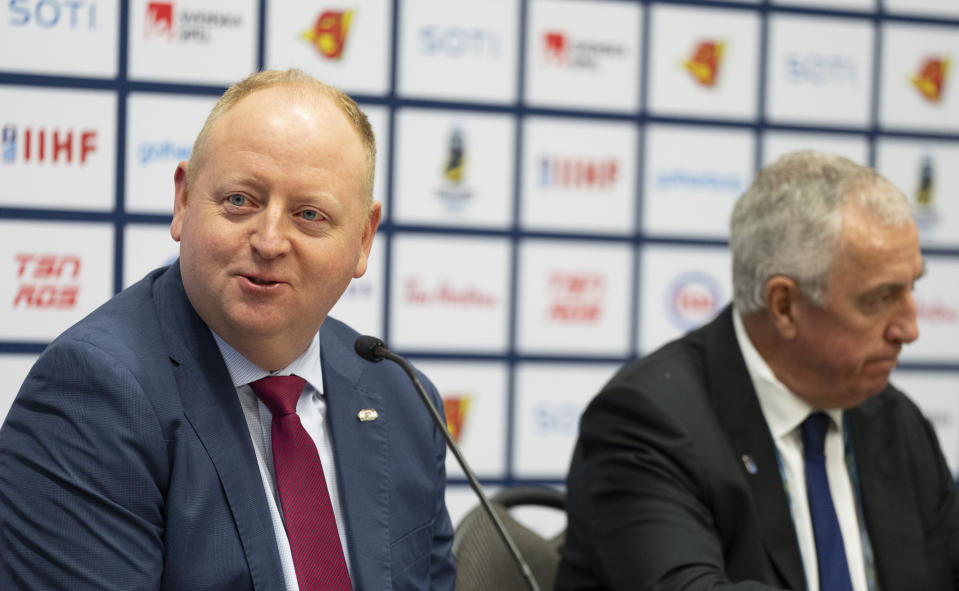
column 782, row 297
column 369, row 231
column 179, row 199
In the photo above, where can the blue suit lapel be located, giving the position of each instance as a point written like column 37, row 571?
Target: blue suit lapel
column 362, row 457
column 211, row 406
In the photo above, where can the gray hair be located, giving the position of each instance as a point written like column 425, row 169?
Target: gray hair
column 788, row 222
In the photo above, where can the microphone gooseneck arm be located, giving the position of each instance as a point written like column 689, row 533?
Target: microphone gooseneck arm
column 373, row 349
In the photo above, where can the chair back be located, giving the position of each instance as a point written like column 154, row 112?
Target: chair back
column 483, row 562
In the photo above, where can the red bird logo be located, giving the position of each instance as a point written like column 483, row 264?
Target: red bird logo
column 931, row 79
column 328, row 34
column 705, row 61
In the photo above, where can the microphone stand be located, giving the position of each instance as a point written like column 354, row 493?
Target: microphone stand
column 373, row 349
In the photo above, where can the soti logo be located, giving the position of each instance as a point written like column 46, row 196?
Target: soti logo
column 457, row 407
column 576, row 297
column 47, row 281
column 453, row 189
column 42, row 146
column 163, row 20
column 328, row 35
column 820, row 69
column 704, row 62
column 459, row 42
column 49, row 14
column 930, row 81
column 692, row 299
column 925, row 213
column 559, row 49
column 555, row 419
column 571, row 172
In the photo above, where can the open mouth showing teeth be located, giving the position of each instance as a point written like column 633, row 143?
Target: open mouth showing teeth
column 259, row 281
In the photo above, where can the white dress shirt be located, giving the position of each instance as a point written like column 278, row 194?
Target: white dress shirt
column 784, row 413
column 311, row 408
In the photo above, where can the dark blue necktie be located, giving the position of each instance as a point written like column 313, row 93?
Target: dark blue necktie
column 830, row 551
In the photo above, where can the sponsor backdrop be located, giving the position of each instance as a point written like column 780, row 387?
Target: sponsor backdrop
column 556, row 175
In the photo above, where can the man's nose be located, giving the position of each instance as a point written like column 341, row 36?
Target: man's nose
column 269, row 236
column 905, row 326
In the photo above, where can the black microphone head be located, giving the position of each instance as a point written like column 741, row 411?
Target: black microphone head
column 370, row 348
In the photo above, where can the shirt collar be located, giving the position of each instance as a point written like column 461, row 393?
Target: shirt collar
column 782, row 408
column 243, row 371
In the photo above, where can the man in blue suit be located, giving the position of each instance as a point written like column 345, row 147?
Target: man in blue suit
column 137, row 454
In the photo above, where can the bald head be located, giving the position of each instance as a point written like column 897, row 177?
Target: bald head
column 303, row 87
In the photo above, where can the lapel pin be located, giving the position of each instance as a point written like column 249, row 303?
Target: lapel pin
column 367, row 414
column 750, row 464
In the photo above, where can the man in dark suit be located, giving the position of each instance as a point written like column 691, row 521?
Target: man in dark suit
column 150, row 448
column 697, row 467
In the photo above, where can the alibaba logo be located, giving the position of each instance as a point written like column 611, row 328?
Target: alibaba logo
column 456, row 407
column 705, row 61
column 931, row 79
column 328, row 34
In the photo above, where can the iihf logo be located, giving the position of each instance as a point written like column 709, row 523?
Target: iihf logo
column 39, row 145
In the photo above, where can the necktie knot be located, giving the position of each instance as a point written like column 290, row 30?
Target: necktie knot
column 279, row 393
column 814, row 430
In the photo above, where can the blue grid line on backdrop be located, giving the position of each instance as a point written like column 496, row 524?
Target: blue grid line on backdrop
column 519, row 111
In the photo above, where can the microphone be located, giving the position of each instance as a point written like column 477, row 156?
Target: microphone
column 374, row 350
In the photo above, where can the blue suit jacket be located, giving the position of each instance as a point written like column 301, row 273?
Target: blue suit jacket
column 126, row 463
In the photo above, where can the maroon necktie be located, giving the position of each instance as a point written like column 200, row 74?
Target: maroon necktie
column 307, row 511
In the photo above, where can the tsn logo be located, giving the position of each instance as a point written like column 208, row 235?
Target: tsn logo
column 41, row 278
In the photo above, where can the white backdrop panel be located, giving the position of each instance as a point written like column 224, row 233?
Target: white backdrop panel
column 578, row 176
column 704, row 62
column 449, row 293
column 693, row 176
column 56, row 157
column 54, row 273
column 346, row 46
column 681, row 288
column 76, row 37
column 574, row 297
column 583, row 54
column 454, row 168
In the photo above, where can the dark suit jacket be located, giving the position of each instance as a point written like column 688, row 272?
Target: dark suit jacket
column 659, row 496
column 126, row 462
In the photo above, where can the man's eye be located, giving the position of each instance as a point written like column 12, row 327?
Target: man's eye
column 238, row 200
column 310, row 215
